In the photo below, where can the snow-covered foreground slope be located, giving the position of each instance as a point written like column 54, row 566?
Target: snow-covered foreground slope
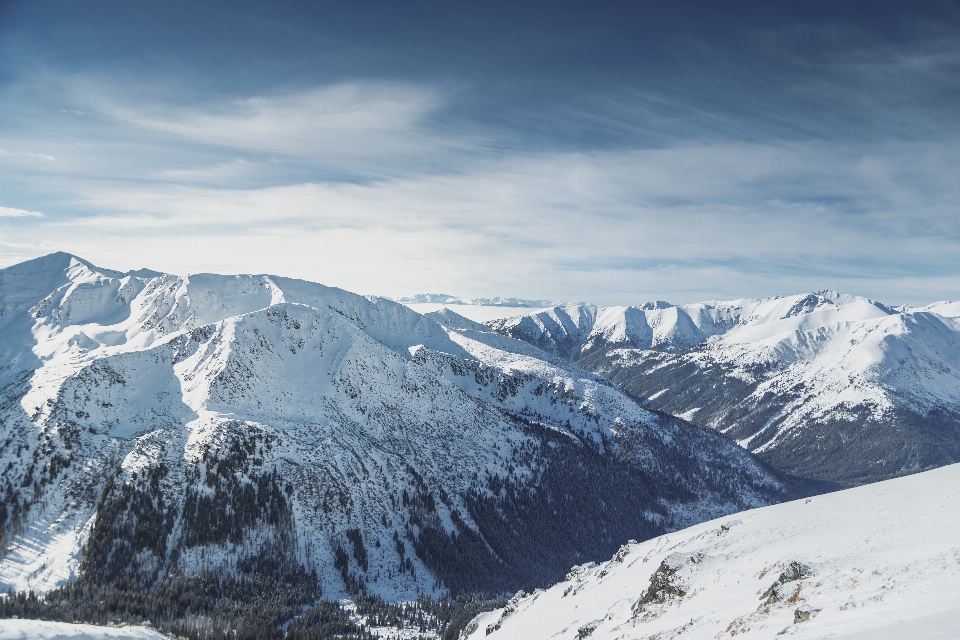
column 823, row 385
column 43, row 630
column 880, row 562
column 155, row 425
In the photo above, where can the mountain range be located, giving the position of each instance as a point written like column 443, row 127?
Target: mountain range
column 161, row 432
column 496, row 301
column 821, row 385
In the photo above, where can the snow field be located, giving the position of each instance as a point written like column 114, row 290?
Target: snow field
column 882, row 560
column 44, row 630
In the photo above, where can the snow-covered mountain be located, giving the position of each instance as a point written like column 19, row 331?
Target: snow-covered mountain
column 155, row 425
column 822, row 385
column 573, row 331
column 880, row 562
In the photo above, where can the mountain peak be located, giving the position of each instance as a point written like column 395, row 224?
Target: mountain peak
column 59, row 264
column 653, row 306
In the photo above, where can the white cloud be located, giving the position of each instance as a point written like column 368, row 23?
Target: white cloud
column 450, row 212
column 364, row 127
column 222, row 170
column 713, row 221
column 10, row 212
column 43, row 157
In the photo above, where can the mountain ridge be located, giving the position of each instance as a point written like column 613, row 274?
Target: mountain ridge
column 780, row 375
column 223, row 423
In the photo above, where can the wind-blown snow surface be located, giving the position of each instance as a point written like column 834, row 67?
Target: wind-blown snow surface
column 880, row 561
column 152, row 422
column 827, row 385
column 43, row 630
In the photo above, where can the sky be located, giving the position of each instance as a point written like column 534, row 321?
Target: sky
column 604, row 152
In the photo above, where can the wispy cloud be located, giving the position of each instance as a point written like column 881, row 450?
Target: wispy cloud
column 41, row 157
column 683, row 221
column 706, row 221
column 10, row 212
column 767, row 157
column 220, row 171
column 365, row 128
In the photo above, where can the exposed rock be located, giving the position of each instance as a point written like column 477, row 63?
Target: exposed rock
column 804, row 613
column 508, row 611
column 665, row 583
column 795, row 571
column 622, row 552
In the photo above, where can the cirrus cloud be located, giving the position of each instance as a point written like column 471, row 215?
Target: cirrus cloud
column 10, row 212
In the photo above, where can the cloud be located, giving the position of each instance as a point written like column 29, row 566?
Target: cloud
column 10, row 212
column 724, row 175
column 238, row 167
column 358, row 185
column 43, row 157
column 370, row 128
column 683, row 224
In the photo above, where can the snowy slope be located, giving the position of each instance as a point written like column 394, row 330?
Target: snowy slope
column 826, row 385
column 577, row 330
column 560, row 330
column 880, row 561
column 666, row 327
column 154, row 423
column 44, row 630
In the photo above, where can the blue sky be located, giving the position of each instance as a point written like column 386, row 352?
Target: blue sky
column 608, row 152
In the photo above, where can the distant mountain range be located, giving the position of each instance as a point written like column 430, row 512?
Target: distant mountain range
column 443, row 298
column 276, row 436
column 821, row 385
